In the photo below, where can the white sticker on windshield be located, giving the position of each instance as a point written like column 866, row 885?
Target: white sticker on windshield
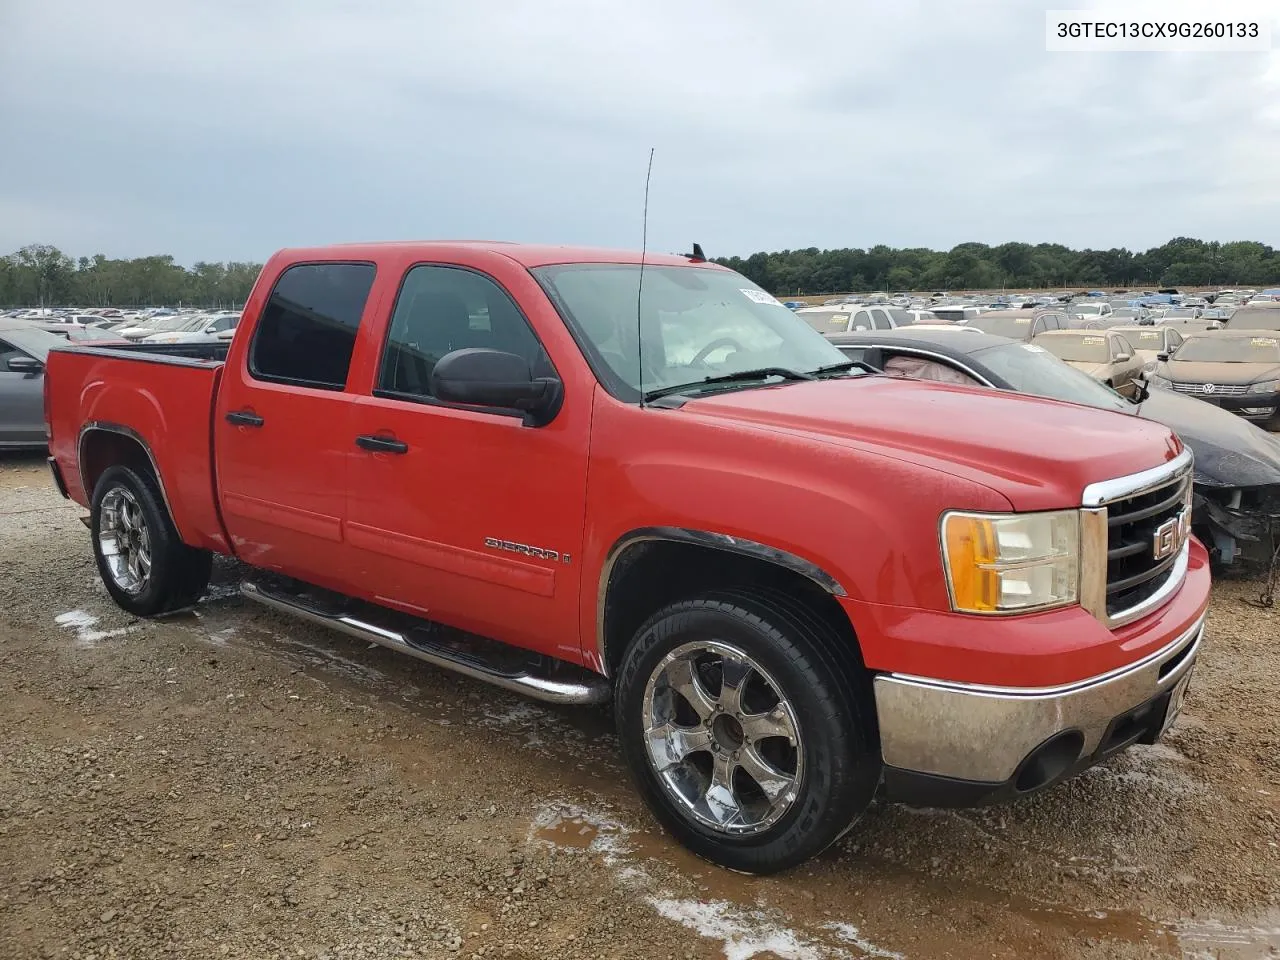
column 1022, row 319
column 758, row 296
column 1093, row 341
column 841, row 318
column 1263, row 342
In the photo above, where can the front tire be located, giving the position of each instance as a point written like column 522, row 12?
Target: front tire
column 143, row 562
column 747, row 730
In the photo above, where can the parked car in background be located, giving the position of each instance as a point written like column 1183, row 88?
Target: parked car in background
column 1018, row 324
column 1176, row 313
column 1106, row 356
column 1133, row 315
column 76, row 333
column 1150, row 342
column 954, row 313
column 1255, row 318
column 1089, row 309
column 1236, row 507
column 840, row 319
column 1238, row 370
column 1189, row 325
column 204, row 327
column 24, row 350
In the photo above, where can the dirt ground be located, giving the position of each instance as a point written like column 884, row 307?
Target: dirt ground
column 231, row 783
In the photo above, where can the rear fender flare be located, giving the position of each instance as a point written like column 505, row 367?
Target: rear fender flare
column 104, row 426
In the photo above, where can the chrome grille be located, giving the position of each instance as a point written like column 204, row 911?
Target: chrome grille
column 1134, row 572
column 1219, row 389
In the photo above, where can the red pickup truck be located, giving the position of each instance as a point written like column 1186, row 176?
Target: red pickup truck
column 587, row 475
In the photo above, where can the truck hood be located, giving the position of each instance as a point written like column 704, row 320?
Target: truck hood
column 1038, row 453
column 1229, row 450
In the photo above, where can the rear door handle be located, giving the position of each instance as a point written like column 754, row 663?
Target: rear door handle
column 243, row 418
column 381, row 444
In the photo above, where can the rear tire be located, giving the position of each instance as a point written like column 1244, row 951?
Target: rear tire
column 762, row 772
column 143, row 562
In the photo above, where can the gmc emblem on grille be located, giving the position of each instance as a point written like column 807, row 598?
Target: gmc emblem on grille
column 1170, row 536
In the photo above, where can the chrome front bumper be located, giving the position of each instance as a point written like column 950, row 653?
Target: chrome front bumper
column 973, row 733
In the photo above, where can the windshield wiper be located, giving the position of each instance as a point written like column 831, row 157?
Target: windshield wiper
column 843, row 367
column 739, row 376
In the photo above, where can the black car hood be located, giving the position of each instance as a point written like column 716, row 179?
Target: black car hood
column 1229, row 450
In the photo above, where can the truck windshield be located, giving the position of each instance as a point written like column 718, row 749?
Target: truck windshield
column 692, row 323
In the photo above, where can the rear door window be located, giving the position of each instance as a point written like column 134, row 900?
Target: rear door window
column 307, row 331
column 881, row 319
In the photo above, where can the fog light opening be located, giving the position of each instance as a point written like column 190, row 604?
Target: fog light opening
column 1049, row 761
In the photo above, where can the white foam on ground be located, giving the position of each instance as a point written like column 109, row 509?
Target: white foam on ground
column 850, row 934
column 82, row 623
column 743, row 932
column 1215, row 939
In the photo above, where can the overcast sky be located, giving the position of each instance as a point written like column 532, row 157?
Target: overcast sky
column 225, row 130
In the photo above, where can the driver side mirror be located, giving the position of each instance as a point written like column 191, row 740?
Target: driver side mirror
column 1123, row 357
column 480, row 377
column 25, row 365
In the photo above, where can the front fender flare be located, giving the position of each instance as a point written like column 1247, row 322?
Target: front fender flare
column 703, row 538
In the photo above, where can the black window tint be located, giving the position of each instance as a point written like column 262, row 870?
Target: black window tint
column 442, row 309
column 882, row 321
column 308, row 327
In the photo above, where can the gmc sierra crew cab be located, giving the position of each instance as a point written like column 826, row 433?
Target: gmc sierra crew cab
column 588, row 475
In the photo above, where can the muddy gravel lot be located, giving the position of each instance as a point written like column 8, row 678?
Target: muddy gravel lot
column 230, row 783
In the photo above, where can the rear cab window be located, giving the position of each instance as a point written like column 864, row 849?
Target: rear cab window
column 307, row 332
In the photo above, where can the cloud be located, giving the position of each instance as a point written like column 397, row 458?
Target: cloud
column 224, row 131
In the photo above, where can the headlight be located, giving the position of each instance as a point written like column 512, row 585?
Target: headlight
column 1011, row 563
column 1164, row 383
column 1266, row 386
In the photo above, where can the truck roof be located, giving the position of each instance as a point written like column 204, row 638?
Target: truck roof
column 526, row 254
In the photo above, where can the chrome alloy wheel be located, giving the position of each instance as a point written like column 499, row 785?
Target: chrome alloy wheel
column 722, row 738
column 124, row 540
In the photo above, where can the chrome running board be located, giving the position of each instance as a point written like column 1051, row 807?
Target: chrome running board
column 519, row 674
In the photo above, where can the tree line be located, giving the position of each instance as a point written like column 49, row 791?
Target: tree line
column 43, row 275
column 1182, row 262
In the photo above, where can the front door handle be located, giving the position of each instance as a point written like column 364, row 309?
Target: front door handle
column 381, row 444
column 243, row 418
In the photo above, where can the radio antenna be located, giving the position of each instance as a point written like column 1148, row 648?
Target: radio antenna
column 644, row 246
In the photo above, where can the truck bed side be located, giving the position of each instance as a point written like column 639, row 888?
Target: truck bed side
column 107, row 406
